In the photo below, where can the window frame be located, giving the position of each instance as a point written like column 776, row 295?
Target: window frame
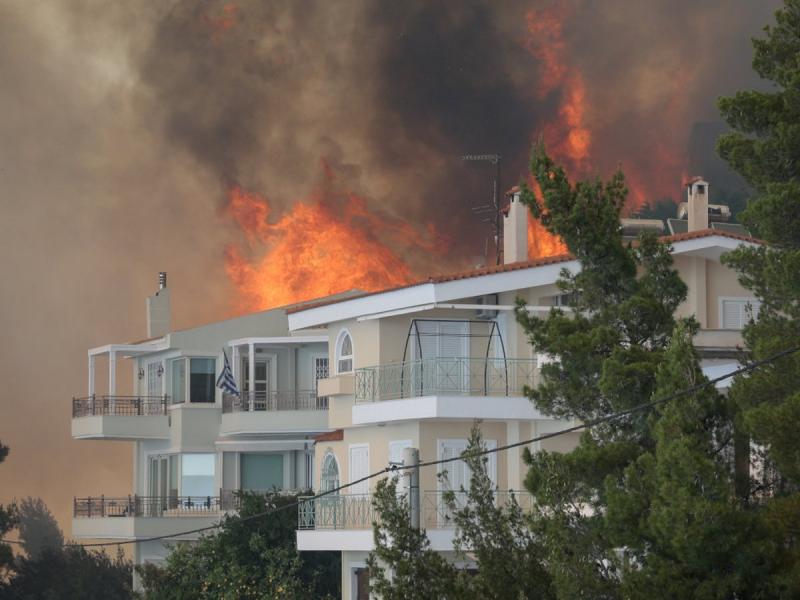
column 329, row 453
column 343, row 334
column 751, row 300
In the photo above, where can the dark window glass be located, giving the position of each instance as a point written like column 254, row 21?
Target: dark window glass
column 201, row 379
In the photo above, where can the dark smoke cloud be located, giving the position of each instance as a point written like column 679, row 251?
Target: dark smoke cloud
column 122, row 125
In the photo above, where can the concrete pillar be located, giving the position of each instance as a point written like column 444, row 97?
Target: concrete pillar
column 112, row 373
column 513, row 459
column 251, row 365
column 91, row 375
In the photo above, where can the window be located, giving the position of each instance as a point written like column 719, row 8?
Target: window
column 261, row 472
column 197, row 475
column 178, row 381
column 344, row 353
column 329, row 479
column 735, row 313
column 201, row 379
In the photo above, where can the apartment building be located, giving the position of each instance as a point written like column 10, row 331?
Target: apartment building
column 193, row 445
column 415, row 366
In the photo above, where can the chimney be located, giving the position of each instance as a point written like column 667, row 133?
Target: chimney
column 515, row 228
column 697, row 199
column 158, row 309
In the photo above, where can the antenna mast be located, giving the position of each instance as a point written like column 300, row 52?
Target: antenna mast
column 491, row 213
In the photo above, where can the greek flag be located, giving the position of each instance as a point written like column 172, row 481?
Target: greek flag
column 225, row 381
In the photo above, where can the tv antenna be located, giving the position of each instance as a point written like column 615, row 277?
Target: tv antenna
column 491, row 213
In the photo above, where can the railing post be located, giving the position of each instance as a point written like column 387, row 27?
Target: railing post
column 89, row 506
column 164, row 404
column 139, row 405
column 74, row 506
column 130, row 506
column 102, row 506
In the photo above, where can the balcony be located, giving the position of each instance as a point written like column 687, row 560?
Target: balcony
column 131, row 517
column 445, row 376
column 444, row 388
column 344, row 522
column 294, row 411
column 120, row 417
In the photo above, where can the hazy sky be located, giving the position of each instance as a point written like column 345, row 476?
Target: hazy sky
column 124, row 124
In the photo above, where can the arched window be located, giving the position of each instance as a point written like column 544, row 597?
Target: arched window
column 344, row 353
column 329, row 478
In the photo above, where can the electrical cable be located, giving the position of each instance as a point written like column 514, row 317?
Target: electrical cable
column 394, row 468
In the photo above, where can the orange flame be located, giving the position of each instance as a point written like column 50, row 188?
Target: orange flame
column 568, row 138
column 319, row 247
column 542, row 243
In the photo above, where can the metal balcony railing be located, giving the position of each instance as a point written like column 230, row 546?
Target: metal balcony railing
column 162, row 506
column 273, row 401
column 119, row 405
column 355, row 511
column 445, row 376
column 151, row 506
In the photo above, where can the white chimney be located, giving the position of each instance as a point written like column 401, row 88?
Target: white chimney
column 697, row 199
column 515, row 229
column 158, row 309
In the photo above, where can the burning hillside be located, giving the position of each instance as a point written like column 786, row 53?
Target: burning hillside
column 256, row 91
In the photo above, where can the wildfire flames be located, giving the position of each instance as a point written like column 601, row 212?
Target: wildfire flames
column 321, row 246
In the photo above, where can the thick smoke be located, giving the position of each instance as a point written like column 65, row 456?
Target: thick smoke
column 124, row 124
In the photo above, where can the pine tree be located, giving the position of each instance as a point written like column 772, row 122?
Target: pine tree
column 7, row 522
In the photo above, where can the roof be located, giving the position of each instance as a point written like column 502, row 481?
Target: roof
column 337, row 435
column 517, row 266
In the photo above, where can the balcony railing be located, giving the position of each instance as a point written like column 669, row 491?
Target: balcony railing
column 355, row 511
column 272, row 401
column 151, row 506
column 119, row 406
column 161, row 506
column 445, row 376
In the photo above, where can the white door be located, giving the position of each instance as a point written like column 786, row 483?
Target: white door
column 359, row 467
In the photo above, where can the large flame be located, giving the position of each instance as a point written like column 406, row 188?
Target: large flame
column 318, row 247
column 568, row 137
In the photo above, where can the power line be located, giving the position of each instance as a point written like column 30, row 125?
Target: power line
column 394, row 468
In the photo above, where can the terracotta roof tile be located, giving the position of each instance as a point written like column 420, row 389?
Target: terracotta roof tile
column 526, row 264
column 337, row 435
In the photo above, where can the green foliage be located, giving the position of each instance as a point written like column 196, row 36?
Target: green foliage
column 250, row 560
column 505, row 555
column 69, row 572
column 765, row 148
column 495, row 533
column 403, row 566
column 37, row 527
column 646, row 505
column 765, row 144
column 7, row 521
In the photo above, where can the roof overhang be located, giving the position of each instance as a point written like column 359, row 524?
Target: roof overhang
column 430, row 293
column 129, row 350
column 425, row 294
column 280, row 340
column 710, row 247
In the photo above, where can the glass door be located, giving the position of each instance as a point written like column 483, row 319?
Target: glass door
column 261, row 398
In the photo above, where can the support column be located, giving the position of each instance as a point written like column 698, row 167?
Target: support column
column 411, row 464
column 91, row 375
column 251, row 383
column 112, row 380
column 513, row 458
column 235, row 365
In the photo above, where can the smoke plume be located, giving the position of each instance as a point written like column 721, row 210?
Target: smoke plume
column 126, row 127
